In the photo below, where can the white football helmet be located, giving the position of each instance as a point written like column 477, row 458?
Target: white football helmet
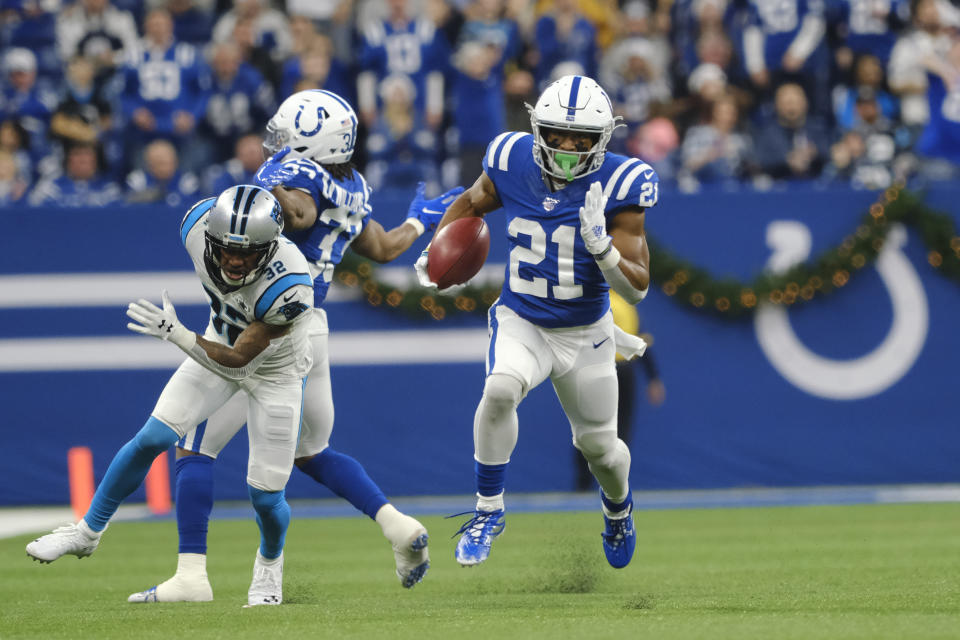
column 572, row 103
column 243, row 219
column 315, row 124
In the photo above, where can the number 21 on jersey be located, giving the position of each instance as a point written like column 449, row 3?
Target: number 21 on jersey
column 563, row 236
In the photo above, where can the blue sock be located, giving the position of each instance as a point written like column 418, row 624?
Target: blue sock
column 273, row 517
column 615, row 507
column 346, row 477
column 127, row 470
column 490, row 478
column 194, row 496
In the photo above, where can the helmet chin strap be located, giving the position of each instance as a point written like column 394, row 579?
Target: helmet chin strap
column 566, row 161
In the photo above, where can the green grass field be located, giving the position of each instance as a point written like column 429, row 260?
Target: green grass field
column 872, row 571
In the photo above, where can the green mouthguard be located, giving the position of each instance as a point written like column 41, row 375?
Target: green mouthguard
column 567, row 161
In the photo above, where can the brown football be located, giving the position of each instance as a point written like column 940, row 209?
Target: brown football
column 458, row 251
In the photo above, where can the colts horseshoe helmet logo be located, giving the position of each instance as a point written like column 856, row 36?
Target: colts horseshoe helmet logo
column 321, row 116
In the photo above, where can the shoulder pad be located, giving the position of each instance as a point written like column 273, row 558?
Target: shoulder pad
column 499, row 150
column 632, row 182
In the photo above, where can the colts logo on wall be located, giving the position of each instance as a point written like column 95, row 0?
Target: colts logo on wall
column 321, row 116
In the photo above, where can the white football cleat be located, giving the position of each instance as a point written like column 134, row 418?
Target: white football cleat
column 267, row 585
column 76, row 539
column 176, row 589
column 410, row 553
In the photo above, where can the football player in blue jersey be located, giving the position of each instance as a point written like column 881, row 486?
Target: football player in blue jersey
column 326, row 210
column 257, row 340
column 575, row 224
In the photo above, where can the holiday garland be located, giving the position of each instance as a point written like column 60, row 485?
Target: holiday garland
column 695, row 287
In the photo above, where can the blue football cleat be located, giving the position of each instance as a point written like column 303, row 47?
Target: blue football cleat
column 619, row 539
column 478, row 534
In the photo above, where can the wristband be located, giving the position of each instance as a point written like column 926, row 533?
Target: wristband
column 416, row 224
column 608, row 258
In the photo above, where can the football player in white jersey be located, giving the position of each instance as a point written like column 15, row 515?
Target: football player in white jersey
column 575, row 224
column 326, row 207
column 257, row 341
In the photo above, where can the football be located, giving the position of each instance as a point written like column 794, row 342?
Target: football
column 458, row 251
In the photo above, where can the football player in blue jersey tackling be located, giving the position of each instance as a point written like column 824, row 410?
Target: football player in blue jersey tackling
column 575, row 224
column 326, row 209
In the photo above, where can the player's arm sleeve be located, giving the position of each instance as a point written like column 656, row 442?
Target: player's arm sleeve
column 634, row 185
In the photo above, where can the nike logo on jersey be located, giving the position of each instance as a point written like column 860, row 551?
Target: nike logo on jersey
column 647, row 175
column 596, row 345
column 425, row 210
column 289, row 297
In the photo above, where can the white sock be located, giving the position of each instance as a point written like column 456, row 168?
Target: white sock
column 268, row 561
column 192, row 565
column 490, row 503
column 87, row 531
column 397, row 527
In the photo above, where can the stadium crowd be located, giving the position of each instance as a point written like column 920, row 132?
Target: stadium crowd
column 103, row 101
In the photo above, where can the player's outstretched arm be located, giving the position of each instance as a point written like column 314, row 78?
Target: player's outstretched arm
column 299, row 209
column 251, row 348
column 477, row 201
column 380, row 245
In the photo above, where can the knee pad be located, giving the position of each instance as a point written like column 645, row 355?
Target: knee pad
column 594, row 445
column 502, row 393
column 155, row 437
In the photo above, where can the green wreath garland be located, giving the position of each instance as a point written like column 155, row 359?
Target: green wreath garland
column 695, row 288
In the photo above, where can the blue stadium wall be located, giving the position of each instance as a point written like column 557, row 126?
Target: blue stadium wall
column 855, row 388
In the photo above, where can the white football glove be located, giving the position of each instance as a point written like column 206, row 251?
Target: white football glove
column 593, row 223
column 159, row 323
column 420, row 266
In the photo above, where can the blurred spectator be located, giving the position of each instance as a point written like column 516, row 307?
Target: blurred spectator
column 22, row 99
column 865, row 155
column 31, row 24
column 626, row 317
column 563, row 34
column 485, row 23
column 13, row 182
column 400, row 147
column 637, row 35
column 927, row 39
column 240, row 101
column 656, row 143
column 792, row 144
column 83, row 113
column 240, row 169
column 640, row 84
column 939, row 145
column 717, row 151
column 478, row 103
column 160, row 180
column 166, row 91
column 271, row 31
column 81, row 185
column 316, row 68
column 866, row 27
column 867, row 73
column 784, row 40
column 15, row 140
column 401, row 44
column 254, row 53
column 98, row 30
column 191, row 24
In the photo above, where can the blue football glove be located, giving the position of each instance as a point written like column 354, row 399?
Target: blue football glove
column 272, row 172
column 429, row 212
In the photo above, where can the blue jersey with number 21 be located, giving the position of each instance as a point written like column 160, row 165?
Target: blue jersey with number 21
column 551, row 279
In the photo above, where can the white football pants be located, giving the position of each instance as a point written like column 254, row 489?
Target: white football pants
column 580, row 363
